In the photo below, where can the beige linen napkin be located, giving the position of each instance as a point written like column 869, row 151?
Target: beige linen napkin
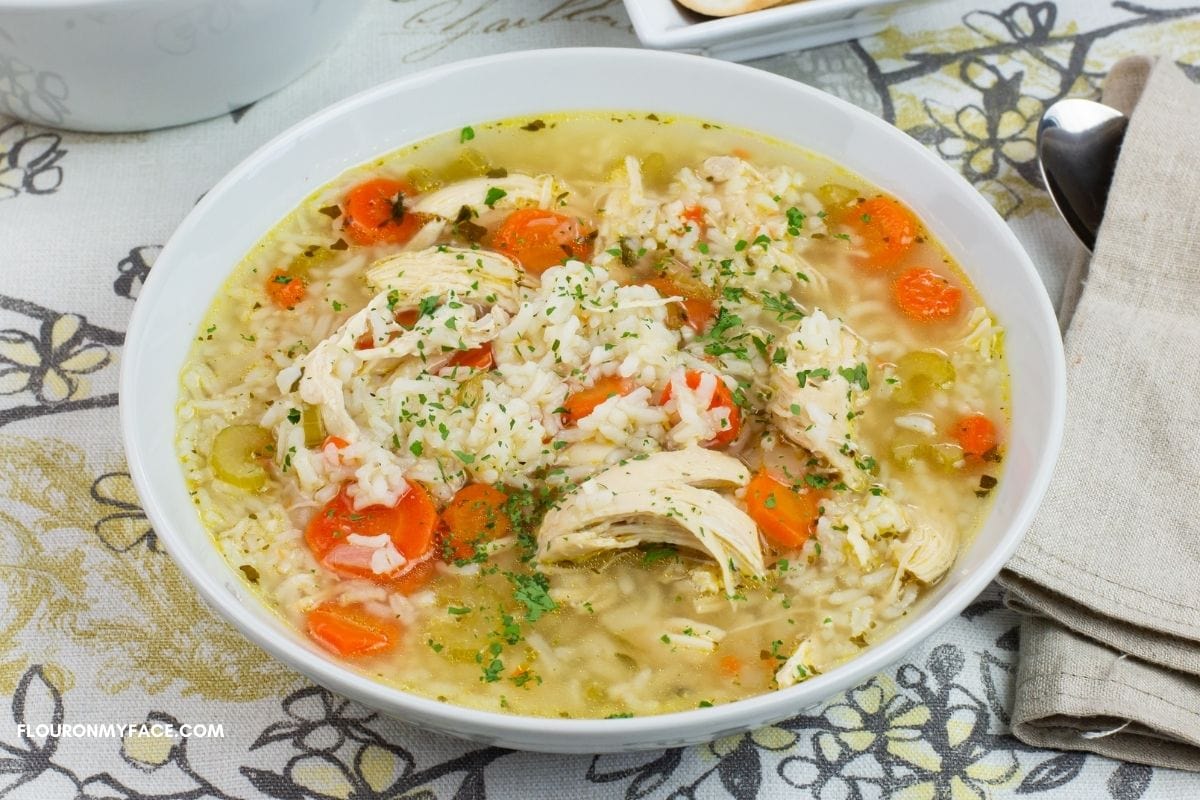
column 1110, row 572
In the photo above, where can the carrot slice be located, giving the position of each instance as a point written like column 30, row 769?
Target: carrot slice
column 695, row 215
column 722, row 398
column 475, row 515
column 698, row 312
column 375, row 212
column 286, row 291
column 540, row 239
column 730, row 666
column 351, row 631
column 584, row 402
column 410, row 524
column 786, row 517
column 925, row 296
column 337, row 441
column 480, row 358
column 976, row 434
column 888, row 229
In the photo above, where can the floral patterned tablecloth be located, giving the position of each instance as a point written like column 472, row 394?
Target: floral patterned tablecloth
column 97, row 625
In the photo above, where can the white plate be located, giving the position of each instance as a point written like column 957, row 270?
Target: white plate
column 247, row 203
column 666, row 25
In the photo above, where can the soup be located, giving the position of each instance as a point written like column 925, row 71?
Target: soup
column 595, row 415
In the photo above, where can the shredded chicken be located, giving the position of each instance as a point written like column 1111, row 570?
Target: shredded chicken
column 374, row 339
column 518, row 190
column 481, row 277
column 818, row 391
column 931, row 550
column 797, row 668
column 668, row 498
column 443, row 206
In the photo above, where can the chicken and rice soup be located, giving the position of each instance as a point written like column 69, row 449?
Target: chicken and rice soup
column 595, row 416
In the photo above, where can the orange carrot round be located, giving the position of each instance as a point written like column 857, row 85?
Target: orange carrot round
column 695, row 216
column 286, row 291
column 351, row 630
column 480, row 358
column 540, row 239
column 375, row 212
column 722, row 398
column 475, row 515
column 785, row 517
column 584, row 402
column 925, row 296
column 976, row 434
column 410, row 523
column 888, row 229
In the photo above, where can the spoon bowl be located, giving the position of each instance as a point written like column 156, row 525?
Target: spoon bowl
column 1079, row 142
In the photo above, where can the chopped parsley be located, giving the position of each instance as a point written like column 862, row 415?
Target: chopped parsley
column 466, row 134
column 491, row 672
column 803, row 375
column 856, row 376
column 655, row 554
column 426, row 306
column 721, row 339
column 782, row 306
column 795, row 221
column 531, row 592
column 494, row 194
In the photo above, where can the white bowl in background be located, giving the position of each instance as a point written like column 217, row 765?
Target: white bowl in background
column 666, row 25
column 249, row 201
column 131, row 65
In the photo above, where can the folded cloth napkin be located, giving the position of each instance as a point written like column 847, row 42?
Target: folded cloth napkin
column 1109, row 575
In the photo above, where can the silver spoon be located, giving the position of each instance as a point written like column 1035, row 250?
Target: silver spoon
column 1078, row 145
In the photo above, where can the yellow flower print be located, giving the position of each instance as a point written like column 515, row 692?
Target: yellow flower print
column 51, row 365
column 126, row 526
column 999, row 132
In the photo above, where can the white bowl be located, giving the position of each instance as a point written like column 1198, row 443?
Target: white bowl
column 131, row 65
column 266, row 186
column 666, row 25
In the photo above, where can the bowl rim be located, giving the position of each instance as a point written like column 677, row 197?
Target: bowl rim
column 610, row 734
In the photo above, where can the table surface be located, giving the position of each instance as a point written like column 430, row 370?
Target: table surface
column 97, row 625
